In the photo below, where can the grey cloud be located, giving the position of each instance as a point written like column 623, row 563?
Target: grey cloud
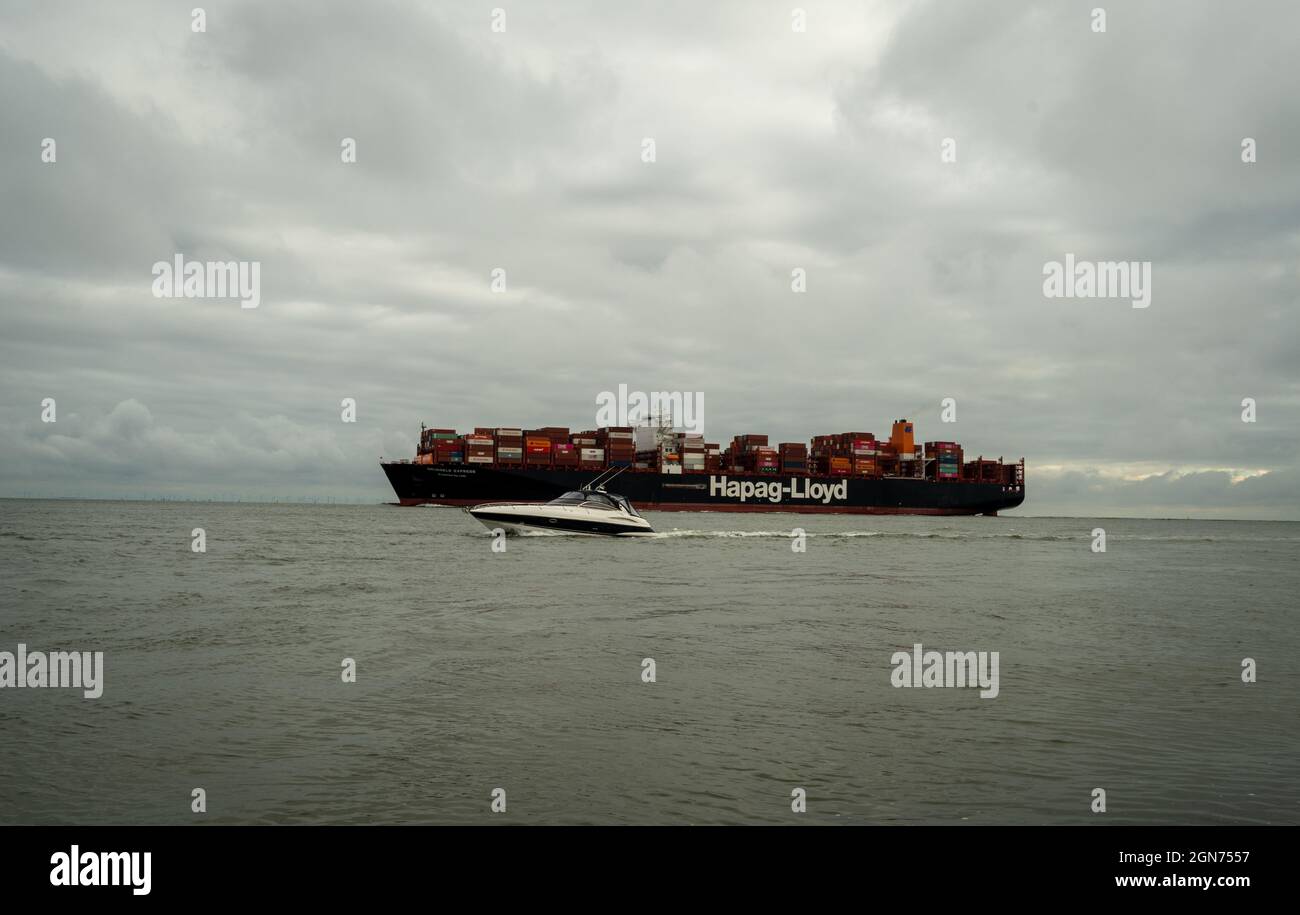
column 521, row 151
column 1207, row 494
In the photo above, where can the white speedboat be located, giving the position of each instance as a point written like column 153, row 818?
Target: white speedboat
column 590, row 511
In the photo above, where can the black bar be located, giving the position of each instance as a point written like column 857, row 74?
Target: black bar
column 334, row 864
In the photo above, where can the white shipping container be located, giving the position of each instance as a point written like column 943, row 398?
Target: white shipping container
column 593, row 454
column 475, row 459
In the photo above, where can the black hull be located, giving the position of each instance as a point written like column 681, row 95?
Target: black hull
column 560, row 525
column 465, row 484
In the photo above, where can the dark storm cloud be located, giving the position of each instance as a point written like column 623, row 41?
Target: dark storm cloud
column 521, row 150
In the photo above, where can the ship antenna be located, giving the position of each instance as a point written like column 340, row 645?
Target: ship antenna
column 594, row 484
column 617, row 471
column 663, row 425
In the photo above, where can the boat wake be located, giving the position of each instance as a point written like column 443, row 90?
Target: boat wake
column 966, row 536
column 850, row 535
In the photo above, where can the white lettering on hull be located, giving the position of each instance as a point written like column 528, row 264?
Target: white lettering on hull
column 776, row 491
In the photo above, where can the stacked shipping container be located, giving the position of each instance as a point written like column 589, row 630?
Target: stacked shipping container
column 537, row 448
column 565, row 454
column 444, row 446
column 943, row 460
column 751, row 454
column 692, row 451
column 845, row 453
column 839, row 454
column 480, row 448
column 619, row 443
column 510, row 447
column 794, row 457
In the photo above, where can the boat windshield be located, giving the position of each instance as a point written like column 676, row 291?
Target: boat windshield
column 624, row 504
column 592, row 499
column 570, row 498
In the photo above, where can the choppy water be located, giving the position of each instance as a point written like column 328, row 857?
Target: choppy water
column 522, row 669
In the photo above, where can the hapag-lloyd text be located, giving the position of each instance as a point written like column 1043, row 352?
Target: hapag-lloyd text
column 776, row 491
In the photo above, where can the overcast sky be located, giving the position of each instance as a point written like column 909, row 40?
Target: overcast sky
column 775, row 150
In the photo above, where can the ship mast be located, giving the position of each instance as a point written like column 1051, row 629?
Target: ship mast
column 662, row 423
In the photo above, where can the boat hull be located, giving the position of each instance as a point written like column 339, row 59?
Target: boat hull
column 561, row 520
column 468, row 485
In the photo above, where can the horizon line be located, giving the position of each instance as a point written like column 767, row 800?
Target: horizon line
column 329, row 500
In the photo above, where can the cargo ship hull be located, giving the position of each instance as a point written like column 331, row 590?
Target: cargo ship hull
column 465, row 484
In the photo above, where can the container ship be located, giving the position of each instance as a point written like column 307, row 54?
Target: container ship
column 665, row 470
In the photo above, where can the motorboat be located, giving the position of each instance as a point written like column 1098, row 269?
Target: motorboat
column 591, row 511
